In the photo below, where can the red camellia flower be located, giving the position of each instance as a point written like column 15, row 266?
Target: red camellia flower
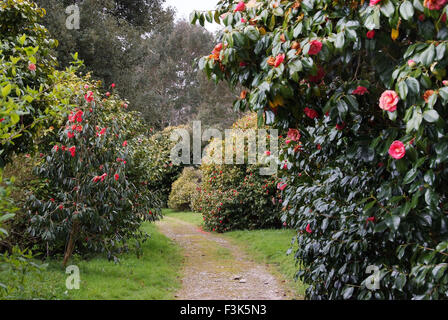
column 52, row 200
column 434, row 4
column 89, row 96
column 371, row 219
column 279, row 60
column 243, row 64
column 319, row 147
column 374, row 2
column 360, row 91
column 32, row 67
column 116, row 176
column 241, row 6
column 294, row 135
column 397, row 150
column 2, row 119
column 72, row 151
column 268, row 153
column 70, row 135
column 370, row 34
column 125, row 144
column 102, row 132
column 281, row 186
column 308, row 229
column 319, row 76
column 112, row 85
column 389, row 100
column 340, row 126
column 56, row 148
column 315, row 47
column 311, row 113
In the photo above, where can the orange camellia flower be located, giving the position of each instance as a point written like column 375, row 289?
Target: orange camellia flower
column 243, row 94
column 295, row 45
column 389, row 100
column 282, row 38
column 271, row 61
column 427, row 95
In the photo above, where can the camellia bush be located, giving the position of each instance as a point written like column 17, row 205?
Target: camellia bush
column 236, row 197
column 363, row 83
column 92, row 200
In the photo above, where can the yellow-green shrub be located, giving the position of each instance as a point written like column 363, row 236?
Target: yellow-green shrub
column 183, row 189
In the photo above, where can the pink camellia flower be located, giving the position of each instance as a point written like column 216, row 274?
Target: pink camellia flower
column 72, row 151
column 56, row 148
column 268, row 153
column 374, row 2
column 32, row 67
column 107, row 94
column 86, row 86
column 315, row 47
column 125, row 144
column 116, row 176
column 370, row 34
column 281, row 186
column 103, row 177
column 89, row 96
column 241, row 6
column 411, row 63
column 360, row 91
column 311, row 113
column 445, row 82
column 243, row 20
column 397, row 150
column 389, row 100
column 112, row 85
column 294, row 134
column 308, row 229
column 434, row 4
column 279, row 60
column 288, row 141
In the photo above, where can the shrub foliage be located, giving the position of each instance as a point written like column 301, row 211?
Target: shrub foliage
column 183, row 189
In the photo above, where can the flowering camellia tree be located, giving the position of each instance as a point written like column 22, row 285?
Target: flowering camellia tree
column 91, row 200
column 364, row 84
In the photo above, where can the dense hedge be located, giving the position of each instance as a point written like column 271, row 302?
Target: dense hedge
column 364, row 84
column 234, row 197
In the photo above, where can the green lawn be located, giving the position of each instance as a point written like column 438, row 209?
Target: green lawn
column 264, row 246
column 155, row 276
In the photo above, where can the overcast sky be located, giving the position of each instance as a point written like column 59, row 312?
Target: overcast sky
column 185, row 7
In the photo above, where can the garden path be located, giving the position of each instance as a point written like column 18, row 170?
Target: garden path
column 216, row 269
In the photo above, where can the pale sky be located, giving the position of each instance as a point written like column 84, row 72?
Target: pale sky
column 185, row 7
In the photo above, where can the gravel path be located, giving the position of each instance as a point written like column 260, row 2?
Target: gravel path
column 215, row 269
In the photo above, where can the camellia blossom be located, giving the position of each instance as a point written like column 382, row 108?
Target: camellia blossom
column 374, row 2
column 370, row 34
column 32, row 67
column 279, row 60
column 308, row 229
column 112, row 85
column 72, row 151
column 397, row 150
column 411, row 63
column 340, row 126
column 241, row 6
column 56, row 148
column 434, row 4
column 315, row 47
column 89, row 96
column 370, row 219
column 125, row 144
column 445, row 82
column 311, row 113
column 389, row 100
column 116, row 176
column 360, row 91
column 102, row 132
column 294, row 135
column 107, row 94
column 70, row 135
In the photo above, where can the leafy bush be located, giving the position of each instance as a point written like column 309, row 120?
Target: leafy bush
column 155, row 168
column 183, row 189
column 236, row 196
column 364, row 83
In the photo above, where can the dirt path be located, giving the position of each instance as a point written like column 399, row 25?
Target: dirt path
column 215, row 269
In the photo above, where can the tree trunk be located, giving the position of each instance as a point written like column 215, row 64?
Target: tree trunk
column 71, row 243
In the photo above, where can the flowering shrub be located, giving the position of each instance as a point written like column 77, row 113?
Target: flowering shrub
column 183, row 189
column 236, row 196
column 364, row 83
column 90, row 197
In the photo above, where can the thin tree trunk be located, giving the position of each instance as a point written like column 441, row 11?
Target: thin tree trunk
column 71, row 243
